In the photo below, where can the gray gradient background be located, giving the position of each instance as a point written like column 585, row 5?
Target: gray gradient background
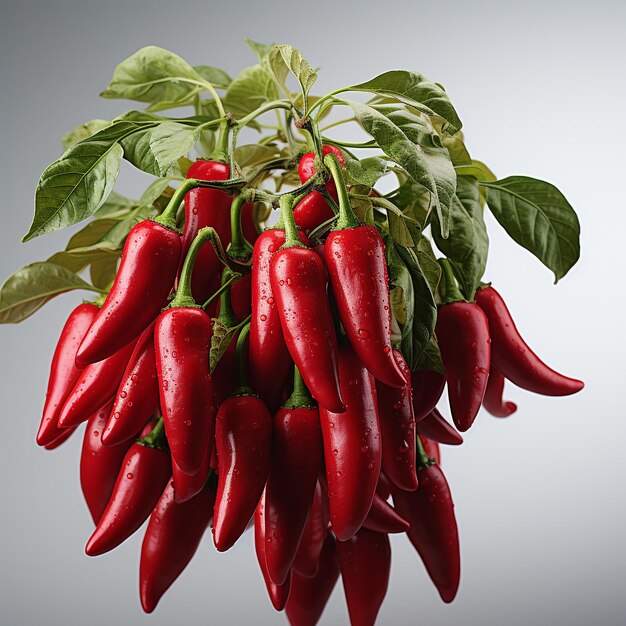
column 540, row 497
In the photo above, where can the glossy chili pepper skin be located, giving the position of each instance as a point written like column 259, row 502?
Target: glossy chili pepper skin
column 463, row 335
column 137, row 396
column 436, row 428
column 307, row 169
column 433, row 531
column 315, row 531
column 186, row 486
column 269, row 360
column 278, row 593
column 397, row 428
column 383, row 486
column 243, row 436
column 427, row 387
column 63, row 371
column 493, row 400
column 298, row 283
column 241, row 296
column 365, row 562
column 96, row 385
column 357, row 270
column 309, row 595
column 312, row 211
column 144, row 473
column 182, row 338
column 99, row 464
column 512, row 356
column 383, row 518
column 431, row 448
column 63, row 436
column 146, row 275
column 352, row 447
column 296, row 462
column 172, row 538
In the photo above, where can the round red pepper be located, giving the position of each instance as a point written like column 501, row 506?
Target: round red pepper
column 63, row 372
column 427, row 387
column 512, row 356
column 313, row 536
column 352, row 447
column 493, row 400
column 383, row 518
column 436, row 428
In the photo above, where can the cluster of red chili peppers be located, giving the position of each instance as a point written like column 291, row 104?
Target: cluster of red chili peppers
column 309, row 423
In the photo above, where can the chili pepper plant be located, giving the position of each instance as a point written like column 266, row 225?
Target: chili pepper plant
column 275, row 319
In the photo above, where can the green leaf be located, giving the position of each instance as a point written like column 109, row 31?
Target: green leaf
column 477, row 169
column 365, row 171
column 116, row 206
column 31, row 287
column 153, row 75
column 82, row 131
column 414, row 200
column 468, row 244
column 538, row 217
column 220, row 340
column 91, row 233
column 252, row 88
column 103, row 271
column 117, row 234
column 254, row 154
column 283, row 58
column 430, row 358
column 217, row 77
column 154, row 191
column 76, row 185
column 428, row 262
column 416, row 90
column 78, row 259
column 156, row 150
column 260, row 49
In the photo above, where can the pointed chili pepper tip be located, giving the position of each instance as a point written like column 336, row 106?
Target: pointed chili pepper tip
column 94, row 546
column 148, row 602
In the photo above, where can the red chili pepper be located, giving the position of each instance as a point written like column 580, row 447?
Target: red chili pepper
column 63, row 436
column 352, row 447
column 97, row 385
column 248, row 224
column 383, row 518
column 427, row 387
column 307, row 169
column 383, row 486
column 315, row 532
column 172, row 538
column 357, row 268
column 241, row 296
column 397, row 428
column 365, row 561
column 463, row 335
column 182, row 339
column 513, row 357
column 493, row 400
column 312, row 211
column 278, row 593
column 63, row 372
column 433, row 531
column 145, row 277
column 437, row 428
column 270, row 363
column 243, row 435
column 144, row 473
column 298, row 283
column 186, row 486
column 309, row 595
column 432, row 449
column 99, row 464
column 137, row 396
column 295, row 465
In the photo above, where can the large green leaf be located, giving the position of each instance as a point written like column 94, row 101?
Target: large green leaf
column 214, row 75
column 76, row 185
column 365, row 171
column 538, row 217
column 252, row 88
column 77, row 259
column 31, row 287
column 283, row 58
column 82, row 131
column 416, row 90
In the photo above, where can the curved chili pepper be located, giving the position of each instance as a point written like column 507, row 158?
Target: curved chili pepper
column 96, row 385
column 436, row 428
column 63, row 436
column 431, row 448
column 357, row 269
column 99, row 464
column 383, row 486
column 312, row 211
column 313, row 536
column 172, row 538
column 144, row 473
column 463, row 336
column 352, row 447
column 278, row 593
column 513, row 357
column 137, row 396
column 295, row 465
column 270, row 363
column 397, row 429
column 383, row 518
column 186, row 486
column 433, row 531
column 427, row 387
column 248, row 223
column 365, row 562
column 145, row 277
column 63, row 371
column 297, row 277
column 493, row 400
column 241, row 296
column 309, row 595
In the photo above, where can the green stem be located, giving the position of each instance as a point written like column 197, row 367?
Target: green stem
column 423, row 460
column 300, row 397
column 156, row 437
column 241, row 361
column 220, row 153
column 240, row 248
column 347, row 216
column 227, row 314
column 451, row 290
column 234, row 276
column 183, row 295
column 168, row 217
column 270, row 106
column 292, row 239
